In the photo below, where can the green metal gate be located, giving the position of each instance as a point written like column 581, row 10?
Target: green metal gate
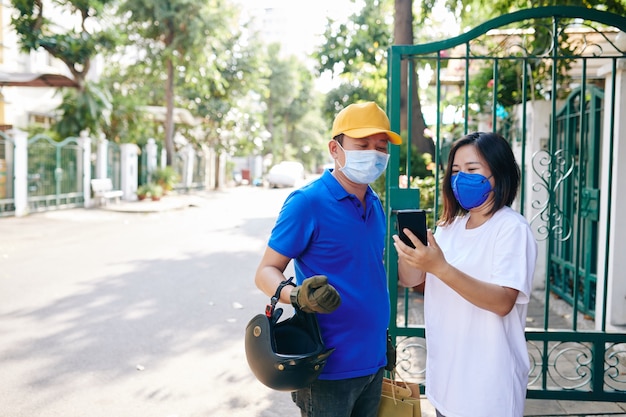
column 198, row 178
column 572, row 265
column 114, row 164
column 505, row 75
column 55, row 173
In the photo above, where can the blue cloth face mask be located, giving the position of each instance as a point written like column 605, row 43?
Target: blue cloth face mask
column 470, row 190
column 364, row 167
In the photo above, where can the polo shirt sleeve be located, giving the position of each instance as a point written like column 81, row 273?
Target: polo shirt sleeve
column 294, row 227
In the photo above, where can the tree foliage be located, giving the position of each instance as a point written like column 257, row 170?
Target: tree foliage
column 87, row 109
column 130, row 92
column 176, row 33
column 290, row 104
column 75, row 42
column 355, row 52
column 508, row 84
column 473, row 12
column 74, row 46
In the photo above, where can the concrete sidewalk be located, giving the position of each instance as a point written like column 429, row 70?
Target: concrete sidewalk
column 173, row 201
column 534, row 408
column 552, row 408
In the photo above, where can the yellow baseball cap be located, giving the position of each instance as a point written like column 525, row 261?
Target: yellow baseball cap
column 359, row 120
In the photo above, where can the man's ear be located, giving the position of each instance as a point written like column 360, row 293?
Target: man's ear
column 333, row 148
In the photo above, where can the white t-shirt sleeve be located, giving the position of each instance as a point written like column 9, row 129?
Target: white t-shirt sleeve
column 515, row 254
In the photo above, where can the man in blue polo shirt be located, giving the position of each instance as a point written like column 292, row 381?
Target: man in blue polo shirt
column 334, row 229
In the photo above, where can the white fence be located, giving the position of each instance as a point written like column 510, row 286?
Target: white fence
column 202, row 169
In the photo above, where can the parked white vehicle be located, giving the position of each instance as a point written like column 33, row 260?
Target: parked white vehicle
column 285, row 174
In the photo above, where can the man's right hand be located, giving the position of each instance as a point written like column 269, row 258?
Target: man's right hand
column 316, row 295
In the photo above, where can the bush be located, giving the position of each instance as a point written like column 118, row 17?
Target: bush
column 166, row 177
column 150, row 190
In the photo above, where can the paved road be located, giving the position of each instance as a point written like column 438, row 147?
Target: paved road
column 133, row 314
column 108, row 314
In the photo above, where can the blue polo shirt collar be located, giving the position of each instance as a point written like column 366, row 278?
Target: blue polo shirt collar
column 337, row 190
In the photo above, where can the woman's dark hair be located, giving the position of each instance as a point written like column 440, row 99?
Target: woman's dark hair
column 506, row 173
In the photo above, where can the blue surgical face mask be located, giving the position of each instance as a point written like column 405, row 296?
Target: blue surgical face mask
column 364, row 167
column 470, row 190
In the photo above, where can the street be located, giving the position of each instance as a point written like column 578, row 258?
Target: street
column 108, row 314
column 135, row 314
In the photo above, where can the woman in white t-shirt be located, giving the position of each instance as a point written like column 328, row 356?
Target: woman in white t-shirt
column 478, row 267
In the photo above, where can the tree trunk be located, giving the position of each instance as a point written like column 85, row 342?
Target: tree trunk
column 403, row 35
column 169, row 112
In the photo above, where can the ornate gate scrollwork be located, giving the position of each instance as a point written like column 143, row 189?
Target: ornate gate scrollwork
column 552, row 170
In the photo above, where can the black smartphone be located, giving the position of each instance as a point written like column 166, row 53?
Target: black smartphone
column 415, row 221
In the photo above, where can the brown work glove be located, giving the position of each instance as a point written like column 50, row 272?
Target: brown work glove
column 316, row 295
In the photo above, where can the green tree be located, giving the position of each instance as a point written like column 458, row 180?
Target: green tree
column 355, row 51
column 75, row 44
column 403, row 35
column 477, row 11
column 89, row 108
column 176, row 33
column 281, row 86
column 352, row 47
column 213, row 84
column 508, row 88
column 131, row 89
column 216, row 89
column 287, row 91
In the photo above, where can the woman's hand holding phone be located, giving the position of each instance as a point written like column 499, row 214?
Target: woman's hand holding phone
column 415, row 221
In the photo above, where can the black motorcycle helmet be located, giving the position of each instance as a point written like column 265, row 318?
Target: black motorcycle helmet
column 287, row 355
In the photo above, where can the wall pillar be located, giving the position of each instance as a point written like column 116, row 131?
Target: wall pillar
column 189, row 159
column 538, row 114
column 101, row 158
column 85, row 142
column 208, row 177
column 613, row 275
column 20, row 171
column 151, row 158
column 130, row 167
